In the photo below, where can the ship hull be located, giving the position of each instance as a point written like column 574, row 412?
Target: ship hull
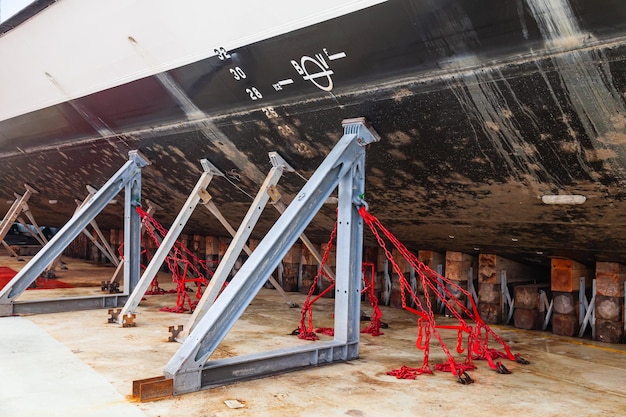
column 484, row 107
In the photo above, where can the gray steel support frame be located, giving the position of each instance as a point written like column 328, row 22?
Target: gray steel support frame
column 279, row 166
column 198, row 193
column 343, row 167
column 128, row 177
column 14, row 212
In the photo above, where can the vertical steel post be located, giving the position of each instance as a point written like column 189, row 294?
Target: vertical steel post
column 343, row 167
column 132, row 234
column 349, row 258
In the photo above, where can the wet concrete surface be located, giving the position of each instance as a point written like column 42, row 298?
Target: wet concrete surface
column 567, row 376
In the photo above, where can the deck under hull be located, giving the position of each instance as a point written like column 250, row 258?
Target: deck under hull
column 484, row 107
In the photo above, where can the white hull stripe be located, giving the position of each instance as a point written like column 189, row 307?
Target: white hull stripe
column 86, row 47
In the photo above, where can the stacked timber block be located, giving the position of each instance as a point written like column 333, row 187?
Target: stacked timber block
column 529, row 312
column 309, row 269
column 197, row 246
column 432, row 260
column 610, row 278
column 565, row 283
column 490, row 268
column 457, row 267
column 79, row 247
column 211, row 252
column 116, row 239
column 291, row 268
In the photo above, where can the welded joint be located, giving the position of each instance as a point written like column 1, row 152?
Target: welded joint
column 91, row 190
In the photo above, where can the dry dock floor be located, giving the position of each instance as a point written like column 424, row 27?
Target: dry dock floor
column 76, row 364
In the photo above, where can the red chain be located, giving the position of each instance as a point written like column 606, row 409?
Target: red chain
column 426, row 323
column 194, row 270
column 374, row 327
column 306, row 331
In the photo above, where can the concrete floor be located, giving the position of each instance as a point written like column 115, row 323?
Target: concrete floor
column 567, row 376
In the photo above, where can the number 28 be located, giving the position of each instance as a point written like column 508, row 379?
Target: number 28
column 254, row 93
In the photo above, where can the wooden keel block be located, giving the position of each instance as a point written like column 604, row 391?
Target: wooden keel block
column 609, row 331
column 565, row 302
column 490, row 313
column 609, row 308
column 565, row 275
column 395, row 300
column 293, row 255
column 431, row 259
column 528, row 319
column 290, row 276
column 211, row 246
column 402, row 263
column 564, row 324
column 489, row 293
column 329, row 294
column 307, row 254
column 490, row 269
column 527, row 296
column 610, row 278
column 458, row 264
column 223, row 244
column 456, row 290
column 423, row 303
column 308, row 275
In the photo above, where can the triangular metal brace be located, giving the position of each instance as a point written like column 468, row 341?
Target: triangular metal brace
column 190, row 369
column 197, row 194
column 127, row 178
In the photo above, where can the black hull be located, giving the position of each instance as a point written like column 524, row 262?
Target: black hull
column 481, row 113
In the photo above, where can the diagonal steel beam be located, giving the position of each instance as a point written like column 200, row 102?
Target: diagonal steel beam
column 279, row 165
column 198, row 193
column 343, row 167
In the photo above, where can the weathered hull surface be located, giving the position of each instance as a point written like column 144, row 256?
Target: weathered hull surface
column 483, row 107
